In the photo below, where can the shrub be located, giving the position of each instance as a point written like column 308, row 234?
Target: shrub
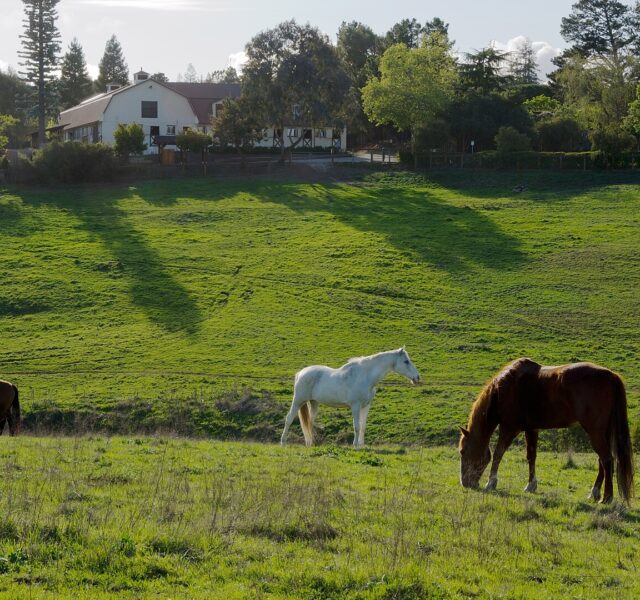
column 613, row 140
column 405, row 156
column 129, row 140
column 74, row 162
column 22, row 170
column 509, row 139
column 560, row 134
column 193, row 141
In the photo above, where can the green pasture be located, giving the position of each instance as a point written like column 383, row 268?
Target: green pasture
column 189, row 304
column 141, row 517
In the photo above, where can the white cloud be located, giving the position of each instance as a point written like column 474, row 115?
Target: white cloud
column 544, row 52
column 237, row 60
column 163, row 5
column 4, row 65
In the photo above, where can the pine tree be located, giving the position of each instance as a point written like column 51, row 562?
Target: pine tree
column 190, row 75
column 75, row 84
column 113, row 68
column 40, row 48
column 524, row 66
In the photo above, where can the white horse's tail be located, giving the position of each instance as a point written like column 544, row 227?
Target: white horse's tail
column 304, row 414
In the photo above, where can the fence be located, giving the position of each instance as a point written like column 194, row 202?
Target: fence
column 524, row 160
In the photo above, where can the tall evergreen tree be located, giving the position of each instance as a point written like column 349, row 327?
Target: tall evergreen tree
column 113, row 68
column 75, row 84
column 523, row 66
column 40, row 49
column 482, row 70
column 190, row 75
column 601, row 28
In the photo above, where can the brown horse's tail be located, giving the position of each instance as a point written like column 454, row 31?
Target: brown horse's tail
column 621, row 441
column 304, row 414
column 15, row 410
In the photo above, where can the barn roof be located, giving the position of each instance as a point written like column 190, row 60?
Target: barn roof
column 202, row 96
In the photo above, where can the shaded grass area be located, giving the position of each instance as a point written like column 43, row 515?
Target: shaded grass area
column 157, row 301
column 138, row 517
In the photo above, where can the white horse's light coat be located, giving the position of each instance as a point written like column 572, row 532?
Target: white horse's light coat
column 351, row 385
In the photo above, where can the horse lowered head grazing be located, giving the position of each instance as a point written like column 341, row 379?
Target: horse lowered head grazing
column 526, row 396
column 9, row 407
column 351, row 385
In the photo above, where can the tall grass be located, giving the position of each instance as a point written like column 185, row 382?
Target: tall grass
column 95, row 517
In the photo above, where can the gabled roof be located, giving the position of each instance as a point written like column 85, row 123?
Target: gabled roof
column 89, row 110
column 202, row 96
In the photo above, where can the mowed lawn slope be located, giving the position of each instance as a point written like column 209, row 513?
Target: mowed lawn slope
column 135, row 299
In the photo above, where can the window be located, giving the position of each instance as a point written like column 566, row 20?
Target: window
column 149, row 109
column 171, row 129
column 321, row 133
column 293, row 133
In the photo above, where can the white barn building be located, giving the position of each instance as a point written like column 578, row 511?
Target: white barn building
column 167, row 109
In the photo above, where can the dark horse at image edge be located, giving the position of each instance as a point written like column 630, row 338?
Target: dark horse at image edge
column 9, row 407
column 526, row 396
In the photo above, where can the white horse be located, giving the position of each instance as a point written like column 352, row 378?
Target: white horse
column 353, row 384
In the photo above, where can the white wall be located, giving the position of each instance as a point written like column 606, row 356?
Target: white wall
column 125, row 107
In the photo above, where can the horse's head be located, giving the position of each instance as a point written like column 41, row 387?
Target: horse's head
column 474, row 458
column 404, row 366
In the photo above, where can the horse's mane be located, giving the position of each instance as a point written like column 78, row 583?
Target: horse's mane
column 500, row 383
column 356, row 360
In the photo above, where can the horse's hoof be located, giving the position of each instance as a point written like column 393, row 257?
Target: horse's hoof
column 492, row 484
column 606, row 500
column 594, row 494
column 532, row 486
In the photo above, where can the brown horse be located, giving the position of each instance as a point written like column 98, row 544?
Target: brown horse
column 526, row 396
column 9, row 407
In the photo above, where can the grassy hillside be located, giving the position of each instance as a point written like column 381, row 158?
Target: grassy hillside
column 158, row 304
column 149, row 518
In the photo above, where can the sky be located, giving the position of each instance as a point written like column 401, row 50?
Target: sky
column 167, row 35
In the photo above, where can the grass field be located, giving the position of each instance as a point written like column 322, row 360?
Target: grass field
column 189, row 304
column 169, row 518
column 186, row 306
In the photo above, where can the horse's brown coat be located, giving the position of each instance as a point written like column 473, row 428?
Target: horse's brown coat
column 9, row 407
column 526, row 396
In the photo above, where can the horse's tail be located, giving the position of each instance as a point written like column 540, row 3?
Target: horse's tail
column 621, row 441
column 15, row 410
column 304, row 414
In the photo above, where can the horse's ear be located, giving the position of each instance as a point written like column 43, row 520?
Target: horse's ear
column 463, row 431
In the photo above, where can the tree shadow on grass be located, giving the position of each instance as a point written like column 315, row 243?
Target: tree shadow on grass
column 448, row 237
column 163, row 299
column 540, row 185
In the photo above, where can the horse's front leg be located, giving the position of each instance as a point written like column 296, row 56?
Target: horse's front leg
column 505, row 437
column 364, row 412
column 355, row 412
column 532, row 447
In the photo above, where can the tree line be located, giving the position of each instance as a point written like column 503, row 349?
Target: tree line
column 407, row 83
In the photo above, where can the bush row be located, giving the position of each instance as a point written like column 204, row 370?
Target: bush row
column 68, row 162
column 492, row 159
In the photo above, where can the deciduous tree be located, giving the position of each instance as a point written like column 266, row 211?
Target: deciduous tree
column 293, row 77
column 414, row 86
